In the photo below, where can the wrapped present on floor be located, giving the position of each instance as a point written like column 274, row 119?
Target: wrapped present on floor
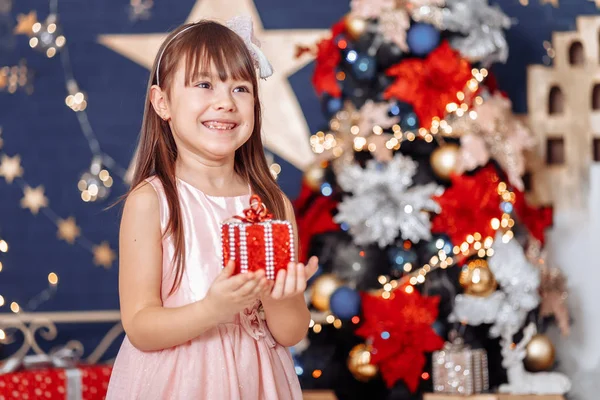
column 458, row 369
column 257, row 241
column 78, row 383
column 54, row 376
column 491, row 396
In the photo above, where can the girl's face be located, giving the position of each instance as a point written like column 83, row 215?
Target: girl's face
column 209, row 118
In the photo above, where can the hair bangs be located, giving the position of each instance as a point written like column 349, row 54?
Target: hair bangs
column 215, row 46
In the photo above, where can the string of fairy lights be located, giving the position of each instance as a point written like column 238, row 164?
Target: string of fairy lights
column 94, row 184
column 35, row 201
column 47, row 37
column 321, row 141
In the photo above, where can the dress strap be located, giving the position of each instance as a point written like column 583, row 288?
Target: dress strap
column 156, row 183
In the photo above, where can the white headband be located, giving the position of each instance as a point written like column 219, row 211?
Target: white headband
column 243, row 27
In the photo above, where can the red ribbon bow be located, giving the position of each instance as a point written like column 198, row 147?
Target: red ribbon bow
column 257, row 212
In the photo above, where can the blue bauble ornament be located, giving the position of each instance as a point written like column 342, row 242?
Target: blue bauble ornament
column 345, row 302
column 399, row 256
column 422, row 39
column 364, row 67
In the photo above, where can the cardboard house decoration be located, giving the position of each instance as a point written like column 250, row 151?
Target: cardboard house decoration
column 564, row 115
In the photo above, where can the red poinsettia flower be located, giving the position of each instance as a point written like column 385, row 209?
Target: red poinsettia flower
column 469, row 205
column 313, row 216
column 537, row 220
column 328, row 58
column 430, row 84
column 400, row 328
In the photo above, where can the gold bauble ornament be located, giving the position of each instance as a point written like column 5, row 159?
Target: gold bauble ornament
column 359, row 363
column 444, row 160
column 477, row 279
column 539, row 354
column 322, row 289
column 314, row 176
column 355, row 26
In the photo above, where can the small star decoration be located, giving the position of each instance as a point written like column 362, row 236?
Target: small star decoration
column 68, row 230
column 34, row 199
column 10, row 167
column 104, row 255
column 25, row 23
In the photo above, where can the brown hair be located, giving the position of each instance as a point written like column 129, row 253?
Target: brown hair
column 205, row 43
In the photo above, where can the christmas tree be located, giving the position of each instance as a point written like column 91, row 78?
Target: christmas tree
column 416, row 206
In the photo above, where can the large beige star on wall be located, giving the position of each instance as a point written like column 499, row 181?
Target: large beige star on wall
column 285, row 130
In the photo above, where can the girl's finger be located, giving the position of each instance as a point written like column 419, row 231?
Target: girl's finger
column 278, row 288
column 262, row 284
column 247, row 288
column 312, row 267
column 300, row 279
column 290, row 281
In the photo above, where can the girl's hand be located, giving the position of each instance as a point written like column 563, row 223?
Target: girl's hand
column 293, row 281
column 229, row 295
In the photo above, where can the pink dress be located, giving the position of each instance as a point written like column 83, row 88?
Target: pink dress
column 238, row 360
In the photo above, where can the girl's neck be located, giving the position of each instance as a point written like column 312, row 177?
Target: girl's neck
column 212, row 178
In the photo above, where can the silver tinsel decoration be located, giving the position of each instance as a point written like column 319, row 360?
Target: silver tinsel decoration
column 428, row 11
column 482, row 26
column 515, row 274
column 506, row 309
column 383, row 204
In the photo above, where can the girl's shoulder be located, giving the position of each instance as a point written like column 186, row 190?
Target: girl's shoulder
column 142, row 209
column 146, row 194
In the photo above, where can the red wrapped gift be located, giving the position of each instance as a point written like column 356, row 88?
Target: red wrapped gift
column 81, row 383
column 257, row 241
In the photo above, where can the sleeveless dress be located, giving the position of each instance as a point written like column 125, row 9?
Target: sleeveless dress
column 238, row 360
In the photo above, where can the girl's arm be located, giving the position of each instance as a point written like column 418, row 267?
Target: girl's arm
column 288, row 318
column 148, row 325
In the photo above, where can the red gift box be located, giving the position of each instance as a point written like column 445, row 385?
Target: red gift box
column 257, row 241
column 82, row 383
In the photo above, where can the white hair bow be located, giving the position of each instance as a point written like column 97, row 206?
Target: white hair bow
column 242, row 25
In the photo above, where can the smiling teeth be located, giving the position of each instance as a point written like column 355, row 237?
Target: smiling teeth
column 219, row 125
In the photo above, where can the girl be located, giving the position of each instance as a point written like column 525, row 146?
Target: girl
column 194, row 331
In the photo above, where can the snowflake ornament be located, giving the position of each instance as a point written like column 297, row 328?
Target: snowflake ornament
column 383, row 203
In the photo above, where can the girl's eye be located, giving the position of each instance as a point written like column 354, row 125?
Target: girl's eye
column 203, row 85
column 242, row 89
